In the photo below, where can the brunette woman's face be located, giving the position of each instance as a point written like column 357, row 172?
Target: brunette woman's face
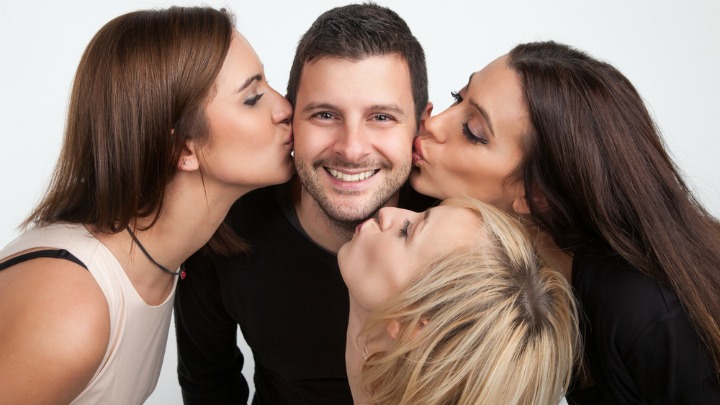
column 250, row 135
column 472, row 148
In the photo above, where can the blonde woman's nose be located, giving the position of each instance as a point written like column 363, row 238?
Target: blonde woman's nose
column 389, row 217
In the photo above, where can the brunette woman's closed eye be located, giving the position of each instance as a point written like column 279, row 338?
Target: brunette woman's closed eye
column 473, row 137
column 251, row 101
column 457, row 97
column 469, row 134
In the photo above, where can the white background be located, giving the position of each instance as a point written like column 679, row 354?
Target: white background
column 670, row 51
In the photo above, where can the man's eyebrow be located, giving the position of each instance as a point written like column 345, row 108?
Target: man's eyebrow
column 383, row 107
column 249, row 81
column 318, row 106
column 388, row 107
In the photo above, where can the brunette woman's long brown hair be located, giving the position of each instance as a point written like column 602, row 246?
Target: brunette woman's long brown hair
column 139, row 95
column 597, row 157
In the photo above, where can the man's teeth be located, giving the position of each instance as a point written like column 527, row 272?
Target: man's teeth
column 350, row 177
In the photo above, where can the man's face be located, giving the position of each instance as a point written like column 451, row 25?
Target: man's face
column 354, row 125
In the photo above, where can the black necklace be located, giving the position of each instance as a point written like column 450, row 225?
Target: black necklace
column 180, row 272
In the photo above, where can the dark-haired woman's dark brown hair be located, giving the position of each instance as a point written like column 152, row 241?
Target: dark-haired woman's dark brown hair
column 611, row 195
column 170, row 122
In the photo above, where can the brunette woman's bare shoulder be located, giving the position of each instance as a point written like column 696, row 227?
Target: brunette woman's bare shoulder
column 54, row 329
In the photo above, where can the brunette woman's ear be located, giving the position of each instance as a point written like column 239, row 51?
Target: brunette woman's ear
column 189, row 157
column 520, row 204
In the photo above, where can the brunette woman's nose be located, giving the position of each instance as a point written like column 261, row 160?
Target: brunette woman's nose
column 433, row 128
column 282, row 110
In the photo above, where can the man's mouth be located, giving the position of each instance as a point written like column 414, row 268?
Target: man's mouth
column 351, row 177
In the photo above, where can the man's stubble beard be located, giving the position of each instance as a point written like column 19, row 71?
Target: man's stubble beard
column 346, row 215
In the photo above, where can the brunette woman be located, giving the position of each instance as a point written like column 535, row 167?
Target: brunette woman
column 565, row 141
column 170, row 121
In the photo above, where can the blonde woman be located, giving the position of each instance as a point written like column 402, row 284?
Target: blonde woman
column 452, row 306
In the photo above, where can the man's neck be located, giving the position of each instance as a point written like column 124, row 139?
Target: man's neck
column 320, row 228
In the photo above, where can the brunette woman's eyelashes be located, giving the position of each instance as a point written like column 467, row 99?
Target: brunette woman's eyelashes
column 404, row 229
column 253, row 100
column 456, row 95
column 473, row 138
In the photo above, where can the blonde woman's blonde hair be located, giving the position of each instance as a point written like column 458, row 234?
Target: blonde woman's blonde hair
column 484, row 324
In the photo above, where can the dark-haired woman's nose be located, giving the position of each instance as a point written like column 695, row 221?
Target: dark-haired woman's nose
column 433, row 128
column 282, row 110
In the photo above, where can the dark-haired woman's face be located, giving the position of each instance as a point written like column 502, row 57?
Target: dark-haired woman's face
column 472, row 148
column 250, row 135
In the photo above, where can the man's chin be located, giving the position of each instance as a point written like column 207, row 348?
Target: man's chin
column 350, row 210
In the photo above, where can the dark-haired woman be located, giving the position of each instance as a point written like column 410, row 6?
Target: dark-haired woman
column 565, row 141
column 170, row 121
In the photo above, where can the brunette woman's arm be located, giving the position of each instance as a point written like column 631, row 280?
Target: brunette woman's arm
column 54, row 329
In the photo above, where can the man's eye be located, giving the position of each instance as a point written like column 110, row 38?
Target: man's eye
column 324, row 115
column 383, row 117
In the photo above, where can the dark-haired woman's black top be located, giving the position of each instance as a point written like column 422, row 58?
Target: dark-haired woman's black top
column 639, row 345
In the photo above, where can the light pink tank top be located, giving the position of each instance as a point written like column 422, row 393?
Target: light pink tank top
column 138, row 331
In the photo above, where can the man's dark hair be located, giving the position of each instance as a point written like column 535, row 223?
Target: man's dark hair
column 358, row 31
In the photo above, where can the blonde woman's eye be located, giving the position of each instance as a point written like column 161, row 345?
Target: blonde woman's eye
column 404, row 229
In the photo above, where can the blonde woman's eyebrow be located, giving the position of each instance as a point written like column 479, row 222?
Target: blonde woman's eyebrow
column 425, row 220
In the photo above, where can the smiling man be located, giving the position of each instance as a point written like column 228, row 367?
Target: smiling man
column 358, row 85
column 354, row 126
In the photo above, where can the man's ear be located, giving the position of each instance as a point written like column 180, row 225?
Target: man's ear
column 189, row 157
column 427, row 112
column 425, row 115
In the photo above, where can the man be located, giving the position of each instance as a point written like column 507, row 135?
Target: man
column 359, row 88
